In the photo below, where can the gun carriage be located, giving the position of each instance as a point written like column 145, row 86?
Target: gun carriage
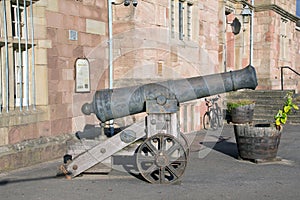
column 162, row 151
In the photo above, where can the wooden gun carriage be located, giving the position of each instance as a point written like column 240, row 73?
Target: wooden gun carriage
column 162, row 151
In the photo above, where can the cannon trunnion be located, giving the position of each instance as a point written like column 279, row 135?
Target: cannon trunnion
column 160, row 149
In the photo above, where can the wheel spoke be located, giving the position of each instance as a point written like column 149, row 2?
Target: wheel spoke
column 150, row 170
column 143, row 158
column 175, row 147
column 177, row 160
column 162, row 173
column 162, row 143
column 151, row 148
column 172, row 170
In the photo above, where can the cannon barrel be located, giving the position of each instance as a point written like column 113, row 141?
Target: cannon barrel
column 120, row 102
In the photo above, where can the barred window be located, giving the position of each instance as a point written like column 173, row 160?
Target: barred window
column 17, row 78
column 181, row 19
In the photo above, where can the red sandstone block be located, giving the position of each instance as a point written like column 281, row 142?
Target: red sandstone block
column 64, row 52
column 88, row 2
column 60, row 111
column 52, row 35
column 54, row 74
column 54, row 19
column 4, row 163
column 70, row 22
column 69, row 7
column 55, row 98
column 66, row 85
column 62, row 38
column 61, row 126
column 44, row 128
column 14, row 135
column 146, row 13
column 100, row 3
column 67, row 98
column 89, row 12
column 22, row 132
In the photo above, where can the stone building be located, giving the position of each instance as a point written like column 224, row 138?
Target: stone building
column 273, row 43
column 42, row 40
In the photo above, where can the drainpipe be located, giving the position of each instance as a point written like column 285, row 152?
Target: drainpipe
column 110, row 44
column 110, row 55
column 251, row 34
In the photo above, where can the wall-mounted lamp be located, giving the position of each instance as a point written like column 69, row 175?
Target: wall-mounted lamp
column 190, row 3
column 246, row 13
column 298, row 25
column 126, row 2
column 236, row 26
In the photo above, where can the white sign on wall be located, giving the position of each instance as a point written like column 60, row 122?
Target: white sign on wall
column 82, row 75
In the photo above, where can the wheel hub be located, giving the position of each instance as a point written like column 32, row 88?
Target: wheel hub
column 162, row 160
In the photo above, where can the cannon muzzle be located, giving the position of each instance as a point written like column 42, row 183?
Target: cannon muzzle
column 120, row 102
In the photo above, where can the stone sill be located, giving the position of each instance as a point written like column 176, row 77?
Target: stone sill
column 17, row 117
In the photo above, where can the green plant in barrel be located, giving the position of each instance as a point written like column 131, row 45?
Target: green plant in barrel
column 240, row 111
column 238, row 103
column 282, row 114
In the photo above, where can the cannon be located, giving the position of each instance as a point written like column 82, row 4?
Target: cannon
column 161, row 150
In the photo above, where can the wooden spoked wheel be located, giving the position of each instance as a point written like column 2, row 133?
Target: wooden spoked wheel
column 162, row 159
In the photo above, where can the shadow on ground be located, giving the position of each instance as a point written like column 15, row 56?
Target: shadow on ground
column 224, row 146
column 12, row 181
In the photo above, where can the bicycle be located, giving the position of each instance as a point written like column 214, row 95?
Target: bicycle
column 213, row 116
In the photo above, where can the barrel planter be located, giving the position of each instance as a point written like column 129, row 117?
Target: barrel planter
column 257, row 142
column 242, row 114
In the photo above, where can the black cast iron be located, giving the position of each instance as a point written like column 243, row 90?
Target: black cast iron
column 120, row 102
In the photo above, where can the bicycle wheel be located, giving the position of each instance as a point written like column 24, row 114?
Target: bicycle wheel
column 214, row 120
column 206, row 121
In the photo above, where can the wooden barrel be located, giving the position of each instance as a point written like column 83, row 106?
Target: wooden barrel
column 242, row 114
column 257, row 142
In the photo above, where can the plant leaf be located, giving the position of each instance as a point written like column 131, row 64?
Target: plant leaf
column 283, row 120
column 295, row 107
column 278, row 115
column 277, row 122
column 287, row 109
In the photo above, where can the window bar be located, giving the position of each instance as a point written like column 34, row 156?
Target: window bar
column 172, row 18
column 180, row 21
column 6, row 57
column 32, row 57
column 20, row 56
column 189, row 21
column 26, row 81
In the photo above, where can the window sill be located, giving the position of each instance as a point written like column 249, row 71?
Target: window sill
column 16, row 117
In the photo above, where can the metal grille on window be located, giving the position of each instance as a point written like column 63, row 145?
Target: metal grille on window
column 15, row 28
column 189, row 21
column 172, row 18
